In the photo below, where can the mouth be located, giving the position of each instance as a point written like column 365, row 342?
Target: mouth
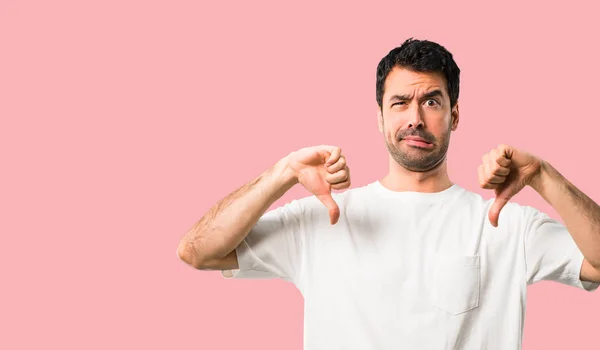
column 417, row 142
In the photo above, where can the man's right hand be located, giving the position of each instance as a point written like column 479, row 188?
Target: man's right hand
column 210, row 244
column 320, row 169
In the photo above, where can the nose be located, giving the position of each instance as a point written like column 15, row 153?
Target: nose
column 415, row 117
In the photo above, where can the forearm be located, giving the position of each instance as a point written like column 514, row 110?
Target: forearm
column 580, row 214
column 228, row 222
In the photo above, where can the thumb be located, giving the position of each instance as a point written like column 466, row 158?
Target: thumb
column 494, row 213
column 334, row 210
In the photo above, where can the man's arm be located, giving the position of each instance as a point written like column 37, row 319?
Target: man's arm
column 210, row 244
column 580, row 214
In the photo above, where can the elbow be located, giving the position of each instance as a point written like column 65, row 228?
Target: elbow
column 596, row 265
column 186, row 254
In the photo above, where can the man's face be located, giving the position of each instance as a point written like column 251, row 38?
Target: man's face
column 416, row 118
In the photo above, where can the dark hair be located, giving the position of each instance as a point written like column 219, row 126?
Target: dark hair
column 420, row 56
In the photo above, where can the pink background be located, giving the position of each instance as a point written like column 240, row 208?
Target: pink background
column 123, row 122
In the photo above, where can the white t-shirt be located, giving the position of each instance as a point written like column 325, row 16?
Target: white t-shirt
column 409, row 270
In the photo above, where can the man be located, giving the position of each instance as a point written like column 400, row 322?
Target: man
column 410, row 261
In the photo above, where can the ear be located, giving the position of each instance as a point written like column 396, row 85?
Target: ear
column 455, row 116
column 379, row 119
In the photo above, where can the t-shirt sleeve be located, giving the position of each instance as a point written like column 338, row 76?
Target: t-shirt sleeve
column 274, row 246
column 551, row 253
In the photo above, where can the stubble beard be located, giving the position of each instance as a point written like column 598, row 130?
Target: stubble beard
column 419, row 160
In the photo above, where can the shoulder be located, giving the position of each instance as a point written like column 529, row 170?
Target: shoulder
column 514, row 214
column 342, row 198
column 309, row 207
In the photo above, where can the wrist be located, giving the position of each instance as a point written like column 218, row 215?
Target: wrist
column 285, row 173
column 540, row 179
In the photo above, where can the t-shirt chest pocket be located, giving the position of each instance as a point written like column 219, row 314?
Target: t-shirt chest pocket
column 456, row 283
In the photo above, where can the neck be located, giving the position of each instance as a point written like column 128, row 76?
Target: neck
column 401, row 179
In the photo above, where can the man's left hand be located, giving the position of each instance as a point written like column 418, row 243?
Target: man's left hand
column 507, row 170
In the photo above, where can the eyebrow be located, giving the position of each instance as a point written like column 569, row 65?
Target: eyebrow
column 399, row 98
column 433, row 93
column 430, row 94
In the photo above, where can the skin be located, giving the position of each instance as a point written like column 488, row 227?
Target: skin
column 507, row 170
column 210, row 244
column 416, row 113
column 413, row 104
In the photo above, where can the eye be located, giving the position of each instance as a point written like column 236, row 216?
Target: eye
column 397, row 103
column 432, row 103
